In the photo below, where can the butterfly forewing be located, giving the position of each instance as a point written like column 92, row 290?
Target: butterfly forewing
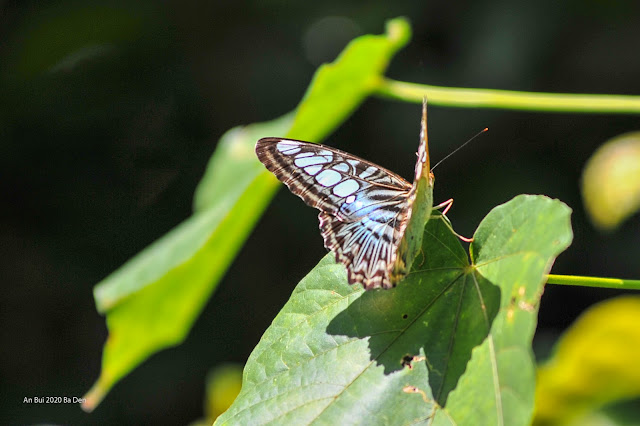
column 362, row 205
column 322, row 176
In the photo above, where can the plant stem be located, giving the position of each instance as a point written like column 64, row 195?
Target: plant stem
column 594, row 282
column 506, row 99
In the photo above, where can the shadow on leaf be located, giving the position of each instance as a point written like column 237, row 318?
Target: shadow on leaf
column 436, row 316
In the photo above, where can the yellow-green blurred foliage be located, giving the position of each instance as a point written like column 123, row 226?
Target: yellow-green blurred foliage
column 595, row 363
column 611, row 181
column 223, row 386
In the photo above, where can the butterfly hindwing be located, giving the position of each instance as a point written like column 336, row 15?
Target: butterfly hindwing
column 366, row 247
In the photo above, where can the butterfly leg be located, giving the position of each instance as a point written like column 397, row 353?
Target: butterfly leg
column 446, row 204
column 447, row 222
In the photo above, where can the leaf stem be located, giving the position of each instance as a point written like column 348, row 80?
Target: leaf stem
column 594, row 282
column 507, row 99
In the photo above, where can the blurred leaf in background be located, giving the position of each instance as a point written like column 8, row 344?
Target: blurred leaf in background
column 611, row 181
column 594, row 363
column 152, row 300
column 223, row 386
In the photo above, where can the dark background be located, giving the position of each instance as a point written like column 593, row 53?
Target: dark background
column 109, row 112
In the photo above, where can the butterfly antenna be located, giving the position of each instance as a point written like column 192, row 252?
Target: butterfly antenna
column 461, row 146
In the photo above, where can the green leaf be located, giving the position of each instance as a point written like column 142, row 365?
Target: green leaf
column 611, row 181
column 451, row 343
column 234, row 165
column 338, row 88
column 594, row 363
column 152, row 301
column 514, row 248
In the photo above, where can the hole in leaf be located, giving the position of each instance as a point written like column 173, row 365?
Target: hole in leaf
column 406, row 361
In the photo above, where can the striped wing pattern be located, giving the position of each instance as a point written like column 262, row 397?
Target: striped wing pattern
column 362, row 206
column 366, row 211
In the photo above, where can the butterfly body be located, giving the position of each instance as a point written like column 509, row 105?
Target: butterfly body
column 370, row 217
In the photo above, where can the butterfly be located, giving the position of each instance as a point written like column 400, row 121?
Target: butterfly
column 371, row 218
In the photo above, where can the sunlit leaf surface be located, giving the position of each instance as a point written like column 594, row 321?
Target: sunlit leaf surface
column 451, row 344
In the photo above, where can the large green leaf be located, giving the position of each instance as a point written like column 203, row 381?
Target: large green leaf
column 451, row 344
column 514, row 248
column 152, row 301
